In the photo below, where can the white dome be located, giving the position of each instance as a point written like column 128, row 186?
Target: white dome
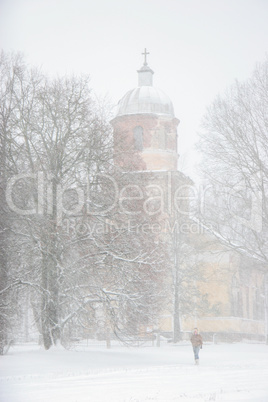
column 143, row 100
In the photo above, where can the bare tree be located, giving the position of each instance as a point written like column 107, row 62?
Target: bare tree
column 8, row 87
column 234, row 145
column 61, row 190
column 54, row 136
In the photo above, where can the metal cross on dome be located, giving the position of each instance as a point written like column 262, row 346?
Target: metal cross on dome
column 145, row 57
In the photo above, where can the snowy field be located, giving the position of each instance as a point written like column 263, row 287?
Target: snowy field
column 227, row 372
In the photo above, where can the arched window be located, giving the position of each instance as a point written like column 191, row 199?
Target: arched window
column 138, row 138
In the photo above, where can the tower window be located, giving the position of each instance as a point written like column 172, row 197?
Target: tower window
column 160, row 138
column 138, row 138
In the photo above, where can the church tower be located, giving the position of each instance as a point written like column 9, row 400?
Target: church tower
column 145, row 150
column 145, row 126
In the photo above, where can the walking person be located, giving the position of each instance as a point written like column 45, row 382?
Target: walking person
column 197, row 342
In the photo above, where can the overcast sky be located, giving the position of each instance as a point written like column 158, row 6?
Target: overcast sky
column 197, row 47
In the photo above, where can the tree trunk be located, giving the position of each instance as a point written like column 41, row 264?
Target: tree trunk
column 108, row 338
column 4, row 304
column 51, row 330
column 266, row 307
column 3, row 301
column 176, row 319
column 50, row 305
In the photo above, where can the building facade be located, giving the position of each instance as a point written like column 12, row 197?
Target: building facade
column 230, row 286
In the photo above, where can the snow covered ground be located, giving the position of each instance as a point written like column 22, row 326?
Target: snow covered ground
column 227, row 372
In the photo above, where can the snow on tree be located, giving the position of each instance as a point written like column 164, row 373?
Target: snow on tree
column 60, row 187
column 234, row 145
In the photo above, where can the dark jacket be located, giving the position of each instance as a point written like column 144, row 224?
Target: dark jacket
column 196, row 340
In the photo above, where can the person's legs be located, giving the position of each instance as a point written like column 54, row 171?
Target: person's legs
column 196, row 353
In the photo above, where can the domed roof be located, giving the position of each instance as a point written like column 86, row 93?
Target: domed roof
column 145, row 99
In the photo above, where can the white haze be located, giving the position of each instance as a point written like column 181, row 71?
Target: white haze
column 197, row 48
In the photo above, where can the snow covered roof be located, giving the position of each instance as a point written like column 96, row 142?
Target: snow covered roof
column 145, row 99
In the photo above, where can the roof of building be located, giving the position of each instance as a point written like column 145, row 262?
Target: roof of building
column 145, row 99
